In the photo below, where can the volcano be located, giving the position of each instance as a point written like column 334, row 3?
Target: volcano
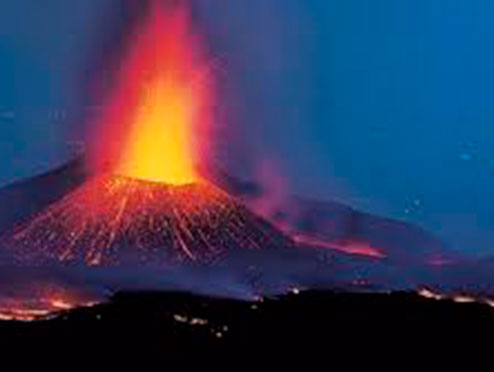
column 115, row 220
column 147, row 202
column 147, row 195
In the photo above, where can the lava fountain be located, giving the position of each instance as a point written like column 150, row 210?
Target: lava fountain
column 157, row 117
column 147, row 203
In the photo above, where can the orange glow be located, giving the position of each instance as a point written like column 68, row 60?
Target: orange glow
column 427, row 293
column 160, row 106
column 359, row 248
column 41, row 302
column 161, row 131
column 61, row 304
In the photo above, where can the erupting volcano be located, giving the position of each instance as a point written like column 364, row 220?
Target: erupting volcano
column 147, row 202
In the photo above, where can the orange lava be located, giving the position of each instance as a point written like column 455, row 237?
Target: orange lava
column 155, row 122
column 42, row 302
column 355, row 247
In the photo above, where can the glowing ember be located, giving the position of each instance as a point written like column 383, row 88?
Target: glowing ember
column 24, row 314
column 114, row 220
column 160, row 105
column 457, row 298
column 427, row 293
column 464, row 299
column 61, row 304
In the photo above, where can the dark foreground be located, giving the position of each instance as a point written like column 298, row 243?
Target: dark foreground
column 315, row 325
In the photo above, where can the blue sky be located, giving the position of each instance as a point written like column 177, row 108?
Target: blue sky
column 383, row 104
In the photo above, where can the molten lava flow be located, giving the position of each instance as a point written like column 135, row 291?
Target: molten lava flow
column 359, row 248
column 41, row 301
column 160, row 105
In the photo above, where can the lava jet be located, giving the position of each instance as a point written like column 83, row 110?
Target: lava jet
column 146, row 202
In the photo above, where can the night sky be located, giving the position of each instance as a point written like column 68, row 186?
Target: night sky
column 385, row 105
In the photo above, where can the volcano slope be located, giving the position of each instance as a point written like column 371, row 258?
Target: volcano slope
column 68, row 218
column 70, row 185
column 116, row 220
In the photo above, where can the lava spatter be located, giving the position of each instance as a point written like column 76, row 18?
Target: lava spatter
column 116, row 220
